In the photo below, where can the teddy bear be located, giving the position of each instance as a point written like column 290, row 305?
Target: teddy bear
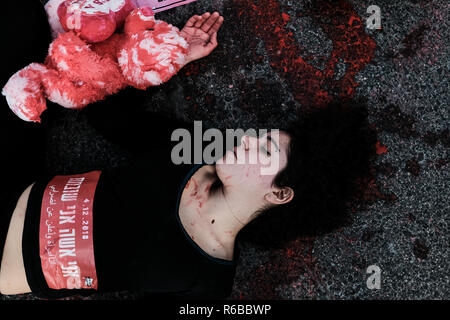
column 95, row 57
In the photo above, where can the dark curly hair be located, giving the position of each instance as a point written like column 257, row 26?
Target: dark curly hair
column 330, row 151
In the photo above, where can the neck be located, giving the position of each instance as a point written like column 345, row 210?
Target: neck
column 213, row 206
column 225, row 220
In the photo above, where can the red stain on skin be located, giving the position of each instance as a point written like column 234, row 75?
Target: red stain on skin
column 195, row 183
column 338, row 20
column 229, row 233
column 198, row 197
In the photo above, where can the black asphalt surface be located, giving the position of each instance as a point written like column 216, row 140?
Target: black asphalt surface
column 401, row 71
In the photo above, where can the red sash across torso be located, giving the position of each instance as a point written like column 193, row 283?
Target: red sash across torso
column 66, row 232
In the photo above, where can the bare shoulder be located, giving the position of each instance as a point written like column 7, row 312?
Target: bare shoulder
column 12, row 271
column 23, row 199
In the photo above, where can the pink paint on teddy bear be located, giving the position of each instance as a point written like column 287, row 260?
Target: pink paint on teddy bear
column 81, row 68
column 94, row 20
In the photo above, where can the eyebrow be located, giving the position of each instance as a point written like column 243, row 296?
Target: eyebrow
column 269, row 138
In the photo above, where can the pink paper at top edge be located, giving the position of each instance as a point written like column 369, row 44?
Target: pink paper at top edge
column 161, row 5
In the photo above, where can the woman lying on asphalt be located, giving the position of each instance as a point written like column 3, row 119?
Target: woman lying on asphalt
column 160, row 228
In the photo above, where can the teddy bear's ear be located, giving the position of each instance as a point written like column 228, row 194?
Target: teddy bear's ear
column 140, row 19
column 123, row 13
column 51, row 7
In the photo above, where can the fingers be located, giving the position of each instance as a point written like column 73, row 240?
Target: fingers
column 192, row 20
column 216, row 25
column 202, row 19
column 207, row 22
column 212, row 20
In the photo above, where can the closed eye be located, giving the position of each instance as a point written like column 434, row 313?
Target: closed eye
column 271, row 143
column 266, row 148
column 265, row 151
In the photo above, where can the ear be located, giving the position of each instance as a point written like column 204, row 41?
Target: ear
column 280, row 196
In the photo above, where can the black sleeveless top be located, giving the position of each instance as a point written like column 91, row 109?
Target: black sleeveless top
column 139, row 242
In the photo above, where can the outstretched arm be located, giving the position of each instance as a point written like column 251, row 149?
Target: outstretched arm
column 200, row 33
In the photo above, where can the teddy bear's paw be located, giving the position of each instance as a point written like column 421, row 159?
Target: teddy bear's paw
column 150, row 58
column 24, row 94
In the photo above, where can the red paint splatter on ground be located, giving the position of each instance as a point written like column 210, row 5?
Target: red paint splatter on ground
column 285, row 17
column 338, row 20
column 192, row 69
column 311, row 87
column 293, row 265
column 380, row 149
column 371, row 192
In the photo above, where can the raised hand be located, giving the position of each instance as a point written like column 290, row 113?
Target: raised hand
column 200, row 33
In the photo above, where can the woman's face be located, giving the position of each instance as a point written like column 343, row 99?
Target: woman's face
column 251, row 167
